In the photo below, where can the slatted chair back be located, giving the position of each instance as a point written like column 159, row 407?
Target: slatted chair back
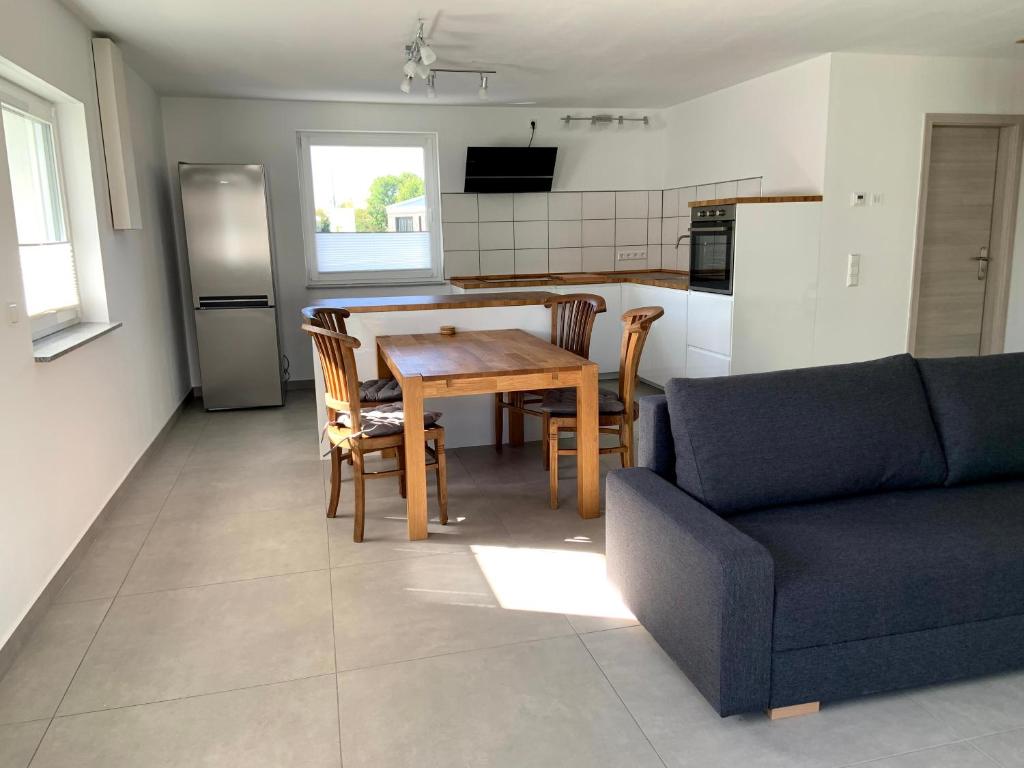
column 338, row 362
column 638, row 324
column 572, row 321
column 331, row 318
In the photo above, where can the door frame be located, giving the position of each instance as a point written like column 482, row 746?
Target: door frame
column 1004, row 221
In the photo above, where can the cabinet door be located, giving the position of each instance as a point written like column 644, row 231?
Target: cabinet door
column 700, row 364
column 710, row 322
column 664, row 355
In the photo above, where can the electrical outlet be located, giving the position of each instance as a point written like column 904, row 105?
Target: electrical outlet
column 858, row 199
column 853, row 270
column 877, row 198
column 638, row 254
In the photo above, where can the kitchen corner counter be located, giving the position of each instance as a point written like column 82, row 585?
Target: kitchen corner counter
column 659, row 278
column 755, row 200
column 440, row 301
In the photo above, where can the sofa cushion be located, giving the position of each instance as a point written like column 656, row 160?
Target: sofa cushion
column 759, row 440
column 886, row 564
column 978, row 408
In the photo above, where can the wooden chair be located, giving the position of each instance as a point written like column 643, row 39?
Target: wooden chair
column 372, row 390
column 572, row 323
column 355, row 429
column 617, row 412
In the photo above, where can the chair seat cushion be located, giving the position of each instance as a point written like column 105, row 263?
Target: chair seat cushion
column 380, row 391
column 386, row 419
column 562, row 402
column 892, row 563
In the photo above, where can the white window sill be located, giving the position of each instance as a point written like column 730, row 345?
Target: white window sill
column 49, row 348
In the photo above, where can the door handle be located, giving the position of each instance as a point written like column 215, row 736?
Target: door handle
column 983, row 260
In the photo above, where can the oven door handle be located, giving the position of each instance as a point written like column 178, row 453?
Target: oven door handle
column 698, row 230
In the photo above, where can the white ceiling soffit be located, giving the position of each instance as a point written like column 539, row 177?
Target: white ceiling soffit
column 571, row 53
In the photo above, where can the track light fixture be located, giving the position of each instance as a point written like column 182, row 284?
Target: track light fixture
column 419, row 57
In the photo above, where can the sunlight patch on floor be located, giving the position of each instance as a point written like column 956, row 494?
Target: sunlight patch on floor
column 550, row 581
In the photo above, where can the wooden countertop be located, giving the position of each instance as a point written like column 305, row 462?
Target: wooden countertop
column 441, row 301
column 766, row 199
column 661, row 278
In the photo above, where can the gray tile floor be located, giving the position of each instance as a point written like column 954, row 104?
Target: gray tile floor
column 219, row 620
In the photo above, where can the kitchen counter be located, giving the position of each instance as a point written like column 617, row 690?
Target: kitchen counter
column 661, row 278
column 754, row 200
column 441, row 301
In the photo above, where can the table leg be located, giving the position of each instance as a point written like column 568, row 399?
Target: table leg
column 588, row 472
column 415, row 457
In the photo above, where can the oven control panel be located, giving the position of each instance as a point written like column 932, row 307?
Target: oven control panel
column 715, row 212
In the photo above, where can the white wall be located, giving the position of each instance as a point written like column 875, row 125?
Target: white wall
column 263, row 131
column 876, row 118
column 73, row 428
column 773, row 126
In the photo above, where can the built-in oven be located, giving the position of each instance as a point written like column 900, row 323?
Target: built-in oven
column 712, row 241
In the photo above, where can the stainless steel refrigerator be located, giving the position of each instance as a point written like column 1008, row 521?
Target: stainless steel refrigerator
column 227, row 231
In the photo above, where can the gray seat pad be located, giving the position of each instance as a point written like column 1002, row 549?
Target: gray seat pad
column 387, row 419
column 562, row 402
column 379, row 391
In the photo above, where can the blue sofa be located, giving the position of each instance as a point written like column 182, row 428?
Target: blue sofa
column 824, row 533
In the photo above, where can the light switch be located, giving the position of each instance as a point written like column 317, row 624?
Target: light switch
column 12, row 313
column 853, row 270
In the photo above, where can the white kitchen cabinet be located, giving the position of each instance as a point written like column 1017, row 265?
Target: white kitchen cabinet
column 709, row 325
column 664, row 354
column 700, row 364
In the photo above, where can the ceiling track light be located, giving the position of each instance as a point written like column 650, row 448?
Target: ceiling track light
column 418, row 59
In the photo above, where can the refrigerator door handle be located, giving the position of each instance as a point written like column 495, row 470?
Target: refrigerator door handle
column 231, row 302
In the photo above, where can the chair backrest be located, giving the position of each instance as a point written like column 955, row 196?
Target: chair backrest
column 333, row 319
column 572, row 320
column 638, row 324
column 338, row 362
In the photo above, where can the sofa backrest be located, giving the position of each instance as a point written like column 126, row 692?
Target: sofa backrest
column 767, row 439
column 978, row 407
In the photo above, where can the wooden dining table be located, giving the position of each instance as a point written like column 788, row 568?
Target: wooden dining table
column 479, row 363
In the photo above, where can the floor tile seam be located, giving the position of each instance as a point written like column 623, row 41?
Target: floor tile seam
column 184, row 587
column 204, row 694
column 334, row 646
column 444, row 654
column 621, row 701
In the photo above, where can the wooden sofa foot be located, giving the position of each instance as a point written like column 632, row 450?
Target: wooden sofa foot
column 780, row 713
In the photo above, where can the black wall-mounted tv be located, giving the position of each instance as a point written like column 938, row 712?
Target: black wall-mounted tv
column 510, row 169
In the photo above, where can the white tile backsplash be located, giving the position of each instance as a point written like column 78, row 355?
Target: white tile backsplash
column 631, row 231
column 458, row 207
column 749, row 187
column 565, row 206
column 531, row 260
column 565, row 259
column 598, row 231
column 496, row 207
column 461, row 263
column 530, row 206
column 461, row 237
column 654, row 230
column 669, row 230
column 497, row 262
column 531, row 234
column 495, row 235
column 598, row 259
column 630, row 205
column 654, row 204
column 598, row 205
column 653, row 256
column 564, row 234
column 686, row 196
column 670, row 202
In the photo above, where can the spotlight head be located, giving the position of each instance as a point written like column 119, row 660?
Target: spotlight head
column 427, row 54
column 406, row 85
column 422, row 70
column 482, row 93
column 409, row 68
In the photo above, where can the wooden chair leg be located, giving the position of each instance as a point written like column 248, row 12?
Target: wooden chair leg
column 332, row 505
column 499, row 421
column 442, row 481
column 553, row 467
column 359, row 483
column 401, row 478
column 544, row 441
column 627, row 434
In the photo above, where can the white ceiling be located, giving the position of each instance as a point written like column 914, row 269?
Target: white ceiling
column 573, row 53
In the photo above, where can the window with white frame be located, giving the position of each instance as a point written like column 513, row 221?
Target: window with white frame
column 44, row 239
column 370, row 207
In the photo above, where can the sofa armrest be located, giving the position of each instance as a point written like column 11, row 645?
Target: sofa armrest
column 655, row 449
column 701, row 587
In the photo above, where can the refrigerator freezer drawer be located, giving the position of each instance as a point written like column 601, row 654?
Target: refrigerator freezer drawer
column 239, row 361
